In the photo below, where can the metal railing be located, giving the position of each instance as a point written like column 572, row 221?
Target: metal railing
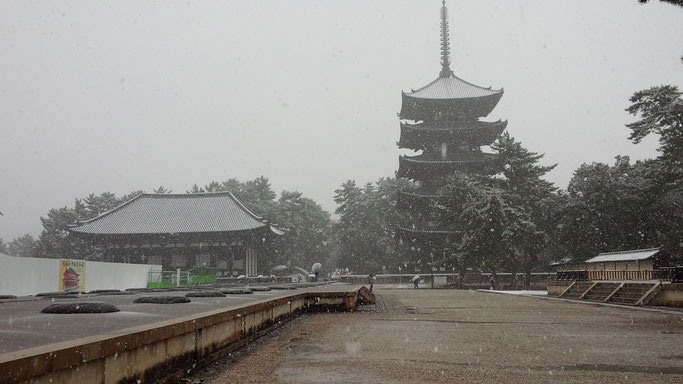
column 670, row 274
column 203, row 275
column 576, row 275
column 168, row 278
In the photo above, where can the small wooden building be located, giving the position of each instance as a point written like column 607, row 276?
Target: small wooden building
column 182, row 231
column 566, row 269
column 640, row 264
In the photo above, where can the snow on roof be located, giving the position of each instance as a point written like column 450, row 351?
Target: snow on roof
column 277, row 230
column 638, row 254
column 452, row 87
column 175, row 213
column 563, row 261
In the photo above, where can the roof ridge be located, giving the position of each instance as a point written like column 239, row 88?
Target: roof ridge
column 494, row 91
column 185, row 194
column 421, row 88
column 490, row 88
column 630, row 251
column 108, row 212
column 181, row 195
column 470, row 158
column 249, row 211
column 479, row 124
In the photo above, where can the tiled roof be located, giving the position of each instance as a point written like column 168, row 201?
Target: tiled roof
column 452, row 87
column 458, row 158
column 456, row 127
column 173, row 214
column 638, row 254
column 417, row 136
column 562, row 261
column 277, row 230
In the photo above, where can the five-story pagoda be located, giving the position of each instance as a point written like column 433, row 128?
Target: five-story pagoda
column 442, row 120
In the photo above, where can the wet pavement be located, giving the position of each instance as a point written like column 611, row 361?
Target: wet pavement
column 449, row 336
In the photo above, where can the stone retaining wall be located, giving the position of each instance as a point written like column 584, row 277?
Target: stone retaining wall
column 671, row 294
column 152, row 352
column 472, row 280
column 555, row 288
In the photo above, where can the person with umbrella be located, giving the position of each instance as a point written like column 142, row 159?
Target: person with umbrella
column 371, row 280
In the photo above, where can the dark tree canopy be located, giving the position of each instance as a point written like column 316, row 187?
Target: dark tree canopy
column 504, row 221
column 367, row 220
column 674, row 2
column 22, row 246
column 661, row 112
column 256, row 194
column 307, row 226
column 608, row 208
column 161, row 189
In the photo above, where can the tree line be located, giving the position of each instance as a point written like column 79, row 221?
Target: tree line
column 514, row 221
column 517, row 221
column 306, row 223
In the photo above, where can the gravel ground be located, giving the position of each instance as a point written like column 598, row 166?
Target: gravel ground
column 448, row 336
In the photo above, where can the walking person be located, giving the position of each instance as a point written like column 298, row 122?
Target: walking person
column 371, row 280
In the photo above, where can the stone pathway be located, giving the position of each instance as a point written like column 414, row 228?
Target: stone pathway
column 448, row 336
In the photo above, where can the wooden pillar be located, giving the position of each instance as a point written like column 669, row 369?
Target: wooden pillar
column 251, row 261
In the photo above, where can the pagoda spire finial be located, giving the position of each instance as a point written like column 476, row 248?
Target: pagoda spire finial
column 445, row 43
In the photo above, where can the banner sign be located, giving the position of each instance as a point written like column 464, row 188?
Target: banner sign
column 71, row 275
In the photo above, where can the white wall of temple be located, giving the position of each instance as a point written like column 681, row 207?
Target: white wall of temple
column 23, row 276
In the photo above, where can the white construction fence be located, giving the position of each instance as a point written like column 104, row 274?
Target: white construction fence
column 24, row 276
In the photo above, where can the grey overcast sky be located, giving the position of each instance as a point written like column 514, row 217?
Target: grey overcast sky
column 125, row 95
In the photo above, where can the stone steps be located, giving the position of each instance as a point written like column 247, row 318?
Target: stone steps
column 601, row 291
column 576, row 290
column 631, row 293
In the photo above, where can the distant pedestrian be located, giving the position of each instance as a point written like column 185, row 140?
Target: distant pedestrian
column 492, row 282
column 416, row 281
column 371, row 280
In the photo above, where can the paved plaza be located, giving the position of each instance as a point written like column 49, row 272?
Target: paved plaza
column 449, row 336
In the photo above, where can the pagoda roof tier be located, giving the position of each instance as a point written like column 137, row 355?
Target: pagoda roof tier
column 424, row 167
column 176, row 214
column 449, row 98
column 425, row 236
column 452, row 87
column 476, row 133
column 420, row 202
